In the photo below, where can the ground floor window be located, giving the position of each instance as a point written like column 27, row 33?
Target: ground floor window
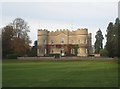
column 72, row 51
column 45, row 51
column 62, row 52
column 52, row 51
column 86, row 51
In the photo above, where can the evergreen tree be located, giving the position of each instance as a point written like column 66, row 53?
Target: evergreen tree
column 98, row 43
column 33, row 51
column 113, row 35
column 109, row 43
column 116, row 34
column 119, row 39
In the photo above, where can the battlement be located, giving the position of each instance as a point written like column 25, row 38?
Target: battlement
column 65, row 31
column 42, row 30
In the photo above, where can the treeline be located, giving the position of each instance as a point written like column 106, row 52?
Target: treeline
column 15, row 40
column 112, row 47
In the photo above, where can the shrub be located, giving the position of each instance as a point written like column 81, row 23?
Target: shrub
column 53, row 55
column 12, row 56
column 103, row 53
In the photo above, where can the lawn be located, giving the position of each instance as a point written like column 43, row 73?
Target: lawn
column 60, row 74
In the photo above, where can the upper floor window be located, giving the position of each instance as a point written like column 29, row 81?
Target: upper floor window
column 44, row 41
column 52, row 42
column 62, row 40
column 78, row 41
column 85, row 41
column 72, row 42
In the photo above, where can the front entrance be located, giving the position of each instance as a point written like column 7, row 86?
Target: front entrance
column 62, row 52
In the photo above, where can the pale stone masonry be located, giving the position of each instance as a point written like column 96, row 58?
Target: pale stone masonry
column 64, row 42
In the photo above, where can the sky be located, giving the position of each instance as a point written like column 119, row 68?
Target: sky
column 61, row 15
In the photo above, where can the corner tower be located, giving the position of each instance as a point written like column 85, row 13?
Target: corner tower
column 82, row 37
column 42, row 42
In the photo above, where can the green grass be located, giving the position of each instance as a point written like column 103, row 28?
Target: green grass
column 60, row 74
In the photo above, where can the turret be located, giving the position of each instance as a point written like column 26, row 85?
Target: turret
column 42, row 42
column 82, row 37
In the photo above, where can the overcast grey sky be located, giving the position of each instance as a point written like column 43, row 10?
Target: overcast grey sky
column 60, row 15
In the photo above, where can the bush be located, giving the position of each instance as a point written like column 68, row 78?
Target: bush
column 91, row 55
column 103, row 53
column 70, row 55
column 12, row 56
column 52, row 55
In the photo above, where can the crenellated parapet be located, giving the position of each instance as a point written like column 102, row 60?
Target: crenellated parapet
column 42, row 32
column 58, row 31
column 82, row 31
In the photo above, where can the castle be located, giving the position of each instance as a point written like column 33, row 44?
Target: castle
column 64, row 42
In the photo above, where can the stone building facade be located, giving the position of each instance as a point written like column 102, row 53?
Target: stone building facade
column 64, row 42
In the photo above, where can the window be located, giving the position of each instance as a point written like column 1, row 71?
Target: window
column 85, row 41
column 52, row 51
column 72, row 41
column 62, row 40
column 38, row 51
column 86, row 51
column 78, row 41
column 45, row 51
column 52, row 42
column 72, row 51
column 44, row 41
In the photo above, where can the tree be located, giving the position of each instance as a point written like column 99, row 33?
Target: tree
column 19, row 46
column 109, row 43
column 7, row 35
column 113, row 35
column 98, row 42
column 21, row 39
column 15, row 39
column 119, row 39
column 21, row 29
column 33, row 51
